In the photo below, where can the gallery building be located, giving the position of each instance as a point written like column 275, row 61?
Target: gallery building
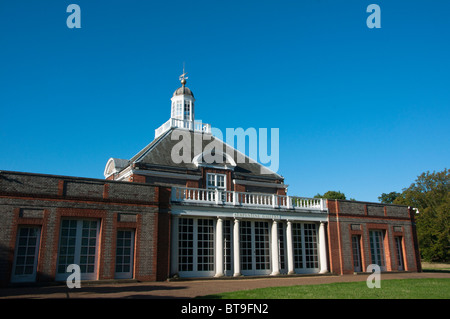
column 190, row 205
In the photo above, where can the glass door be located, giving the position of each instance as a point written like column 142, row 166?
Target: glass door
column 377, row 248
column 196, row 243
column 282, row 247
column 305, row 244
column 356, row 247
column 124, row 254
column 228, row 247
column 398, row 243
column 255, row 247
column 246, row 249
column 26, row 254
column 78, row 244
column 262, row 246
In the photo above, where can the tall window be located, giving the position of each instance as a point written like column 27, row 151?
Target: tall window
column 78, row 244
column 179, row 109
column 297, row 241
column 305, row 242
column 377, row 248
column 398, row 244
column 205, row 244
column 356, row 249
column 262, row 245
column 26, row 254
column 254, row 247
column 246, row 250
column 186, row 244
column 311, row 256
column 187, row 110
column 282, row 245
column 124, row 254
column 227, row 246
column 196, row 245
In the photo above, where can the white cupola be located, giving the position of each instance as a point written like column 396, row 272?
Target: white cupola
column 182, row 113
column 183, row 102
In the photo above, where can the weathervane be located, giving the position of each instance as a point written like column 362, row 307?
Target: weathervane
column 183, row 77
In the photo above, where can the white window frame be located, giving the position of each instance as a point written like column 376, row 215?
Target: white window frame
column 62, row 276
column 216, row 180
column 255, row 255
column 30, row 277
column 305, row 240
column 356, row 253
column 377, row 249
column 196, row 247
column 179, row 109
column 187, row 110
column 125, row 274
column 399, row 248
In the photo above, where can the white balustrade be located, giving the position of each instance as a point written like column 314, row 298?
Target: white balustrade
column 245, row 199
column 196, row 126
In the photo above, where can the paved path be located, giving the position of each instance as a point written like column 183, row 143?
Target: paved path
column 188, row 289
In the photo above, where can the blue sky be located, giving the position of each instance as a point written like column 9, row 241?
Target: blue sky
column 363, row 111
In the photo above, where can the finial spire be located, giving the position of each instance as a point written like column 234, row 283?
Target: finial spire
column 183, row 77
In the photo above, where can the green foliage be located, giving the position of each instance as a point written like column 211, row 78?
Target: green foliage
column 331, row 195
column 430, row 194
column 388, row 198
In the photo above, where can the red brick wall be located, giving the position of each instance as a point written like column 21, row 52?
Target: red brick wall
column 393, row 220
column 117, row 205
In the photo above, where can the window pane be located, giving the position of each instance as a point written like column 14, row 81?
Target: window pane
column 78, row 245
column 66, row 244
column 205, row 243
column 124, row 253
column 186, row 244
column 26, row 254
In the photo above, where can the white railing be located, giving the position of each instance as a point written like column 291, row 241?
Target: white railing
column 197, row 126
column 231, row 198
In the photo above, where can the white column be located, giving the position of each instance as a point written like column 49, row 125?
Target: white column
column 219, row 247
column 322, row 249
column 275, row 257
column 289, row 248
column 174, row 247
column 236, row 252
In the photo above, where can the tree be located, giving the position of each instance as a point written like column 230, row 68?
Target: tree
column 331, row 195
column 388, row 198
column 430, row 194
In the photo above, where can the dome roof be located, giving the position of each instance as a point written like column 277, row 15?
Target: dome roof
column 183, row 90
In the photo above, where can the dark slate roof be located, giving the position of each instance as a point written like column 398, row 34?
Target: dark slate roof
column 157, row 154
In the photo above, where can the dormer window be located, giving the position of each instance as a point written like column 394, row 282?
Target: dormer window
column 216, row 181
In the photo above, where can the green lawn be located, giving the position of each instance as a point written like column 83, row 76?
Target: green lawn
column 390, row 289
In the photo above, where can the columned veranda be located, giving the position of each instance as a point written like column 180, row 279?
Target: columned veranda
column 244, row 246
